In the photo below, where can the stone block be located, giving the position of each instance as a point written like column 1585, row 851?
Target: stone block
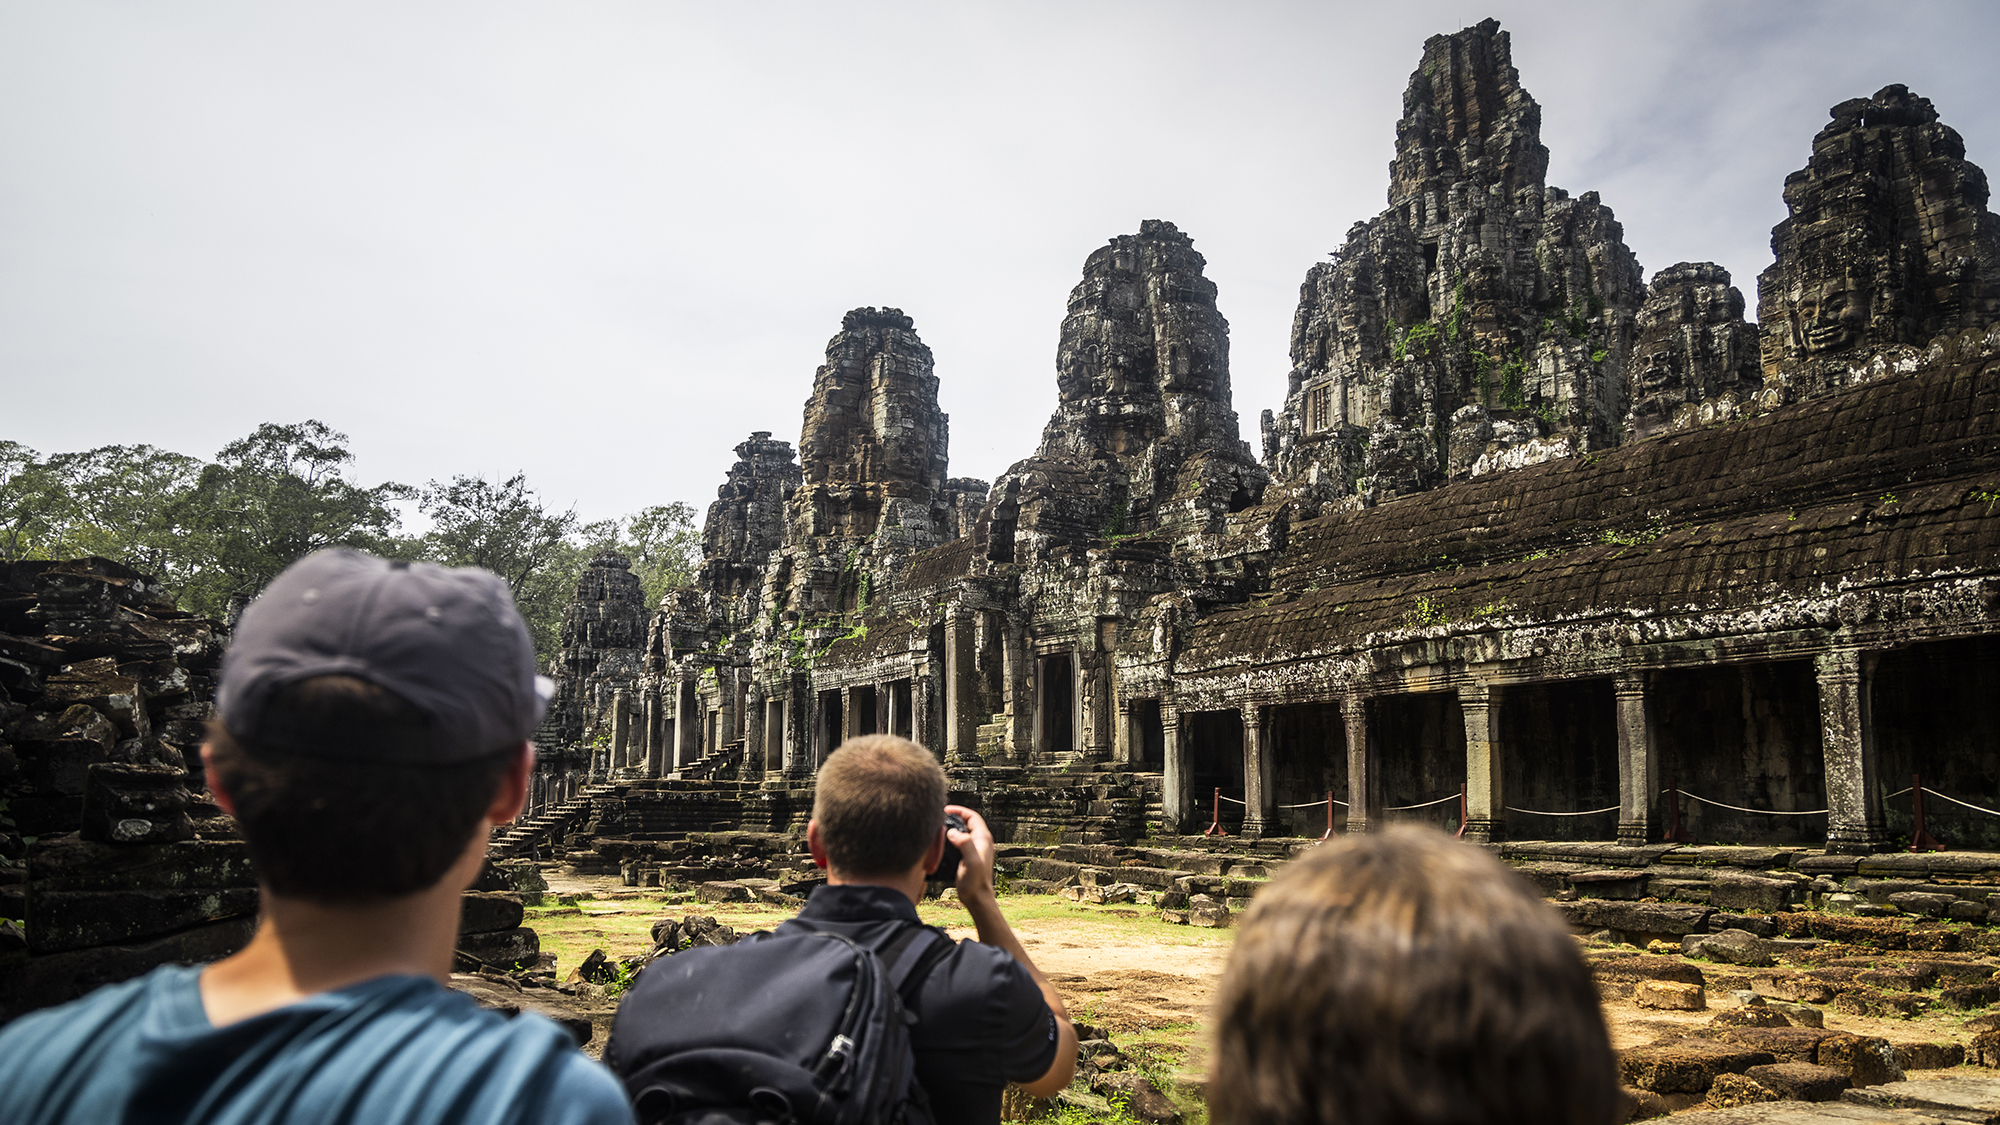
column 718, row 891
column 1736, row 947
column 70, row 863
column 1783, row 1044
column 1731, row 891
column 505, row 949
column 1762, row 925
column 1966, row 997
column 1669, row 995
column 1686, row 1066
column 1868, row 1060
column 1800, row 1015
column 133, row 804
column 31, row 982
column 1923, row 902
column 1031, row 887
column 64, row 920
column 1174, row 917
column 1803, row 1082
column 1929, row 1056
column 483, row 912
column 1750, row 1017
column 1962, row 1099
column 1614, row 883
column 1053, row 870
column 1206, row 911
column 1636, row 917
column 1617, row 974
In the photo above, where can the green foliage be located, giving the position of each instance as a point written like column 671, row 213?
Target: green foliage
column 1455, row 323
column 1419, row 341
column 1598, row 355
column 215, row 533
column 1426, row 612
column 1889, row 498
column 1120, row 512
column 623, row 976
column 1986, row 496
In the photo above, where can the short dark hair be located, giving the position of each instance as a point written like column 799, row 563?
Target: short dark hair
column 879, row 801
column 333, row 829
column 1406, row 977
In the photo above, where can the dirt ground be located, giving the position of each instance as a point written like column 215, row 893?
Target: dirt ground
column 1148, row 984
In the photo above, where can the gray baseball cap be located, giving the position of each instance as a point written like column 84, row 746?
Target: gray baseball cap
column 447, row 641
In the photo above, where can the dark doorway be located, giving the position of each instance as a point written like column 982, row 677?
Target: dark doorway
column 774, row 734
column 866, row 718
column 1745, row 735
column 902, row 715
column 1148, row 735
column 1421, row 740
column 1934, row 716
column 1055, row 699
column 826, row 727
column 1215, row 761
column 1308, row 758
column 1559, row 754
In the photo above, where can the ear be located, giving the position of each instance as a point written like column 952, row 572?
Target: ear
column 815, row 845
column 512, row 795
column 213, row 780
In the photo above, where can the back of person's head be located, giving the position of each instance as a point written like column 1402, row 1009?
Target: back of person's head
column 1403, row 977
column 366, row 716
column 879, row 802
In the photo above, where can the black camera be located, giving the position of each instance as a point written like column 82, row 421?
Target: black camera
column 947, row 868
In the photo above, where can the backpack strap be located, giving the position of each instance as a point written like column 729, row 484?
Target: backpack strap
column 909, row 958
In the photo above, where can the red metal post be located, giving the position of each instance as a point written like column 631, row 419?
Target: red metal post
column 1461, row 813
column 1328, row 834
column 1676, row 834
column 1920, row 840
column 1215, row 826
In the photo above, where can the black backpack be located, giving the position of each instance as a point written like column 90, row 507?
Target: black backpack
column 783, row 1028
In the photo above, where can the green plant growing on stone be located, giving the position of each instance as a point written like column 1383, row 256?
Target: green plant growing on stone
column 1598, row 355
column 1426, row 612
column 1419, row 342
column 1889, row 498
column 1114, row 526
column 1986, row 496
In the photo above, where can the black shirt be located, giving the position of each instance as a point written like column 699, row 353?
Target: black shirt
column 981, row 1021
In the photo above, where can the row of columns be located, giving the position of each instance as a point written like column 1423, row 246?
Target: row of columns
column 1855, row 823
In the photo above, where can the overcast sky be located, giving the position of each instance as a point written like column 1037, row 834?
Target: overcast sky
column 600, row 242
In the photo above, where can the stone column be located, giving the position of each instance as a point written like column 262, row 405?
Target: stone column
column 1121, row 748
column 754, row 760
column 726, row 728
column 1173, row 787
column 1847, row 739
column 961, row 722
column 799, row 704
column 688, row 721
column 654, row 762
column 1363, row 802
column 1638, row 762
column 1018, row 667
column 1258, row 782
column 1485, row 803
column 621, row 731
column 924, row 724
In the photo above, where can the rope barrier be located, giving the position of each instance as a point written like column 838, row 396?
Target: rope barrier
column 1759, row 812
column 1956, row 801
column 1539, row 812
column 1425, row 805
column 1312, row 805
column 1245, row 804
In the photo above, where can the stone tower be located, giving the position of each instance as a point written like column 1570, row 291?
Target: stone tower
column 747, row 521
column 603, row 637
column 1695, row 359
column 1144, row 439
column 1483, row 321
column 1888, row 242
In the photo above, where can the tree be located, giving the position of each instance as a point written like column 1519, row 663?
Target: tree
column 505, row 529
column 272, row 498
column 121, row 502
column 661, row 541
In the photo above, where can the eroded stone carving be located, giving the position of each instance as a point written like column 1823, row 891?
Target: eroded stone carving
column 1888, row 242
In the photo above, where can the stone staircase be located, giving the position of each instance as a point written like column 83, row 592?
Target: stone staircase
column 510, row 841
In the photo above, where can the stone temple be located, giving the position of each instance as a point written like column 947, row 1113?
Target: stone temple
column 1579, row 563
column 1596, row 553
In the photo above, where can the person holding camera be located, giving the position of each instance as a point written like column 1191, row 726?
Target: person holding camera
column 815, row 1016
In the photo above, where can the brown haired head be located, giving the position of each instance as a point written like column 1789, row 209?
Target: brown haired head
column 324, row 827
column 1405, row 977
column 879, row 802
